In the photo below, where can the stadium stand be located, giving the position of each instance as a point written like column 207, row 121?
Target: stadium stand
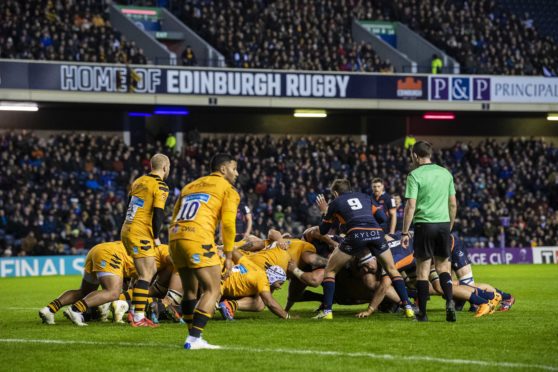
column 303, row 35
column 71, row 189
column 63, row 31
column 484, row 36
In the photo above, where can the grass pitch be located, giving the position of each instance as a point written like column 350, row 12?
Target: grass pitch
column 525, row 338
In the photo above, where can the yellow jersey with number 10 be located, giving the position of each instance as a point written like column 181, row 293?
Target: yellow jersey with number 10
column 200, row 206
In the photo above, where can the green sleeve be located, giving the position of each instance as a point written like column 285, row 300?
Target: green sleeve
column 411, row 190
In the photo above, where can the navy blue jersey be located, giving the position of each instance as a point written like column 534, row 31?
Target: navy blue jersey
column 352, row 210
column 459, row 257
column 402, row 257
column 241, row 213
column 380, row 215
column 387, row 203
column 400, row 213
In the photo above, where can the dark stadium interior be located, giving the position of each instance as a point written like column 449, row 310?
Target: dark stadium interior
column 379, row 126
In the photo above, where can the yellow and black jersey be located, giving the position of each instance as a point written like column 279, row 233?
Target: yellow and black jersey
column 270, row 257
column 110, row 257
column 147, row 192
column 198, row 210
column 246, row 279
column 296, row 247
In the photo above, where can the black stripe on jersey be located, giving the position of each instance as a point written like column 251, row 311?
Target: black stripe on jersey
column 145, row 247
column 164, row 189
column 116, row 258
column 115, row 266
column 154, row 176
column 209, row 254
column 144, row 241
column 207, row 247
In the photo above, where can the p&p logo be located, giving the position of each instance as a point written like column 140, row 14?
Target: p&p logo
column 458, row 88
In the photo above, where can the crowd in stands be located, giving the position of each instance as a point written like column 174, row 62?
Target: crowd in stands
column 286, row 34
column 63, row 30
column 65, row 193
column 482, row 35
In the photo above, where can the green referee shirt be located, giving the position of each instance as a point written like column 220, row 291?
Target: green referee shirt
column 431, row 186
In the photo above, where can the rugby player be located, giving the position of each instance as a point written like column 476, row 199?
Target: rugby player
column 106, row 264
column 353, row 211
column 140, row 231
column 192, row 243
column 166, row 286
column 249, row 288
column 387, row 203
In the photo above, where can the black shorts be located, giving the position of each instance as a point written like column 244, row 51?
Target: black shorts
column 358, row 240
column 432, row 239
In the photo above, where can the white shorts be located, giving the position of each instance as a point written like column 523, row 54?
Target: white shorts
column 94, row 277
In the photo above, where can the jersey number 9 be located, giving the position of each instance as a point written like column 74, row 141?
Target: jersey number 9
column 355, row 204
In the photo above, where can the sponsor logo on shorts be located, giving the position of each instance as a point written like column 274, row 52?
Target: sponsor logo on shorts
column 135, row 249
column 103, row 264
column 196, row 258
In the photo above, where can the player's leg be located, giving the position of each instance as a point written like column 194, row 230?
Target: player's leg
column 75, row 312
column 209, row 278
column 506, row 300
column 66, row 298
column 146, row 269
column 111, row 285
column 254, row 304
column 190, row 297
column 441, row 237
column 173, row 298
column 423, row 286
column 386, row 259
column 335, row 263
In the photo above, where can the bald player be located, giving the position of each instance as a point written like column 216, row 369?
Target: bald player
column 140, row 231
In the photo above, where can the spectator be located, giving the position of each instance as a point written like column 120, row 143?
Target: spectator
column 437, row 64
column 188, row 57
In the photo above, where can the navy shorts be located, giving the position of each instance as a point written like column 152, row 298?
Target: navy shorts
column 459, row 258
column 358, row 240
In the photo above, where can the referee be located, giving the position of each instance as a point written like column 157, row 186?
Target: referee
column 431, row 205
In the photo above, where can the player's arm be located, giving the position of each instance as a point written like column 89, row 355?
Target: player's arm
column 248, row 216
column 273, row 305
column 314, row 233
column 160, row 199
column 231, row 199
column 252, row 245
column 393, row 223
column 377, row 298
column 327, row 213
column 452, row 203
column 411, row 193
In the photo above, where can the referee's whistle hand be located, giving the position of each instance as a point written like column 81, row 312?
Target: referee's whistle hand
column 405, row 241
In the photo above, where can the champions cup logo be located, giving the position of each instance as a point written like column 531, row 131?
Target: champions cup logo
column 409, row 88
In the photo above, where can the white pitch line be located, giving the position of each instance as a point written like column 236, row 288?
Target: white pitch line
column 387, row 357
column 21, row 308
